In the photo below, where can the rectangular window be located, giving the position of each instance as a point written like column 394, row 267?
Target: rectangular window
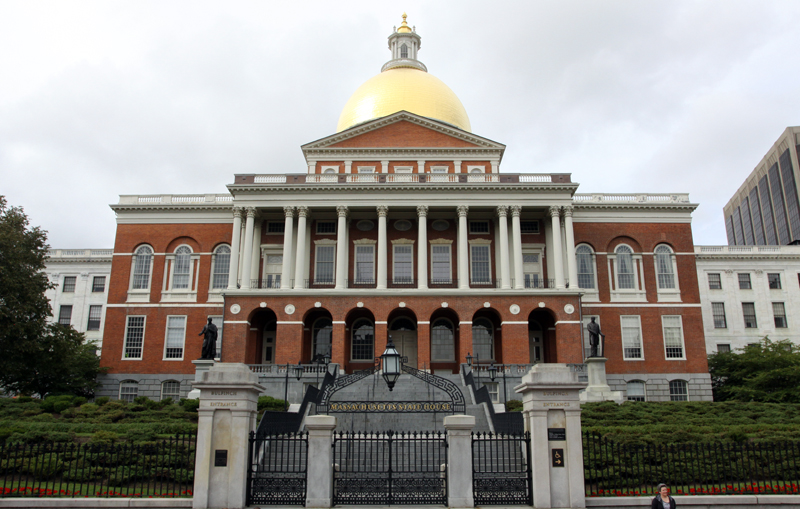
column 718, row 310
column 779, row 312
column 65, row 315
column 176, row 336
column 441, row 273
column 128, row 391
column 766, row 211
column 69, row 284
column 99, row 284
column 677, row 391
column 714, row 281
column 479, row 226
column 774, row 281
column 95, row 312
column 324, row 265
column 723, row 348
column 217, row 320
column 755, row 213
column 494, row 391
column 749, row 312
column 403, row 264
column 631, row 337
column 529, row 226
column 365, row 264
column 276, row 227
column 325, row 227
column 744, row 282
column 171, row 389
column 481, row 269
column 673, row 337
column 134, row 338
column 636, row 391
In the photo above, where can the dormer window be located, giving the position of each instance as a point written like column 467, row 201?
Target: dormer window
column 403, row 51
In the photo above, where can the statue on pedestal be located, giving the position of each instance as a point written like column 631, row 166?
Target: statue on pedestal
column 594, row 336
column 209, row 334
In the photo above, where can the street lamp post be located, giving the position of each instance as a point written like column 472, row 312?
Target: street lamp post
column 390, row 364
column 477, row 364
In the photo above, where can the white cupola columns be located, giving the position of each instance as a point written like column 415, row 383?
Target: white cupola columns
column 463, row 248
column 558, row 257
column 383, row 256
column 300, row 254
column 422, row 248
column 516, row 232
column 236, row 236
column 341, row 248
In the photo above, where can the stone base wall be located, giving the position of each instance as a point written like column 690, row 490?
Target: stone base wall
column 149, row 385
column 657, row 384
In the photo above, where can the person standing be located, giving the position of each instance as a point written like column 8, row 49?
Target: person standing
column 663, row 500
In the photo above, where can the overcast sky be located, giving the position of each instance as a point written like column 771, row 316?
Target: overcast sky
column 99, row 99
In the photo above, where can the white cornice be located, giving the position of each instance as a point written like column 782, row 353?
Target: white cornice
column 387, row 187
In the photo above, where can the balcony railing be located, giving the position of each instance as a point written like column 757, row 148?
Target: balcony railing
column 494, row 283
column 404, row 178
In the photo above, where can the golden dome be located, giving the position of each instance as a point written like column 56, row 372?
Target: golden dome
column 404, row 28
column 403, row 88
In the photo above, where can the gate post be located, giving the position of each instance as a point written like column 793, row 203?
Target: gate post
column 226, row 416
column 552, row 411
column 319, row 482
column 459, row 460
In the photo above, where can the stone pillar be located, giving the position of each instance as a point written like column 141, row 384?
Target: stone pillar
column 288, row 256
column 341, row 248
column 505, row 276
column 422, row 248
column 227, row 414
column 201, row 366
column 516, row 233
column 557, row 255
column 383, row 256
column 552, row 413
column 300, row 253
column 598, row 389
column 572, row 264
column 233, row 273
column 255, row 254
column 319, row 477
column 421, row 166
column 459, row 460
column 463, row 248
column 248, row 247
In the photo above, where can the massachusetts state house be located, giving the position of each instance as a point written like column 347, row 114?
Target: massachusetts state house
column 402, row 223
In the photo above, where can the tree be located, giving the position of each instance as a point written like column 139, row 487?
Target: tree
column 36, row 356
column 766, row 371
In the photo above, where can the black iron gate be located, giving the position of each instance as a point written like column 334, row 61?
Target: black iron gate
column 390, row 468
column 501, row 469
column 278, row 469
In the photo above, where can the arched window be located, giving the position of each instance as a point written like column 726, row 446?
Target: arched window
column 141, row 268
column 403, row 51
column 625, row 274
column 181, row 268
column 584, row 257
column 322, row 333
column 222, row 264
column 636, row 391
column 442, row 340
column 128, row 390
column 363, row 342
column 483, row 338
column 664, row 268
column 678, row 390
column 171, row 389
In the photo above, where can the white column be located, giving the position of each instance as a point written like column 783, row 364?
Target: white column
column 422, row 249
column 233, row 272
column 286, row 267
column 572, row 265
column 463, row 248
column 421, row 166
column 383, row 257
column 384, row 167
column 505, row 276
column 459, row 460
column 457, row 166
column 516, row 233
column 255, row 255
column 341, row 248
column 348, row 166
column 248, row 247
column 300, row 253
column 557, row 255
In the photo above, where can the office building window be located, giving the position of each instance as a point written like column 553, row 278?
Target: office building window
column 749, row 312
column 442, row 340
column 171, row 389
column 631, row 337
column 723, row 348
column 766, row 211
column 365, row 264
column 744, row 281
column 778, row 203
column 176, row 336
column 65, row 315
column 134, row 338
column 586, row 266
column 441, row 272
column 324, row 264
column 755, row 213
column 718, row 311
column 779, row 312
column 69, row 284
column 99, row 284
column 673, row 336
column 774, row 281
column 714, row 281
column 326, row 227
column 678, row 390
column 481, row 268
column 222, row 264
column 635, row 390
column 363, row 340
column 95, row 312
column 483, row 339
column 128, row 390
column 403, row 262
column 790, row 187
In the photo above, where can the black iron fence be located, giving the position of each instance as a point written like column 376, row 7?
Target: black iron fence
column 163, row 468
column 501, row 469
column 278, row 470
column 719, row 468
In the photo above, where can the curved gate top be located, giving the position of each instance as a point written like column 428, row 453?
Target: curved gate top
column 456, row 405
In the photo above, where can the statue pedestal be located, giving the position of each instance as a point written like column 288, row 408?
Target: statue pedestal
column 201, row 366
column 598, row 389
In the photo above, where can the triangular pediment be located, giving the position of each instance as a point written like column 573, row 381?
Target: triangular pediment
column 403, row 130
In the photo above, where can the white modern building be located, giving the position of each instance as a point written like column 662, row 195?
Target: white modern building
column 748, row 292
column 79, row 298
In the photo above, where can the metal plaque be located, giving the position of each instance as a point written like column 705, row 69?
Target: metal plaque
column 221, row 458
column 558, row 457
column 556, row 434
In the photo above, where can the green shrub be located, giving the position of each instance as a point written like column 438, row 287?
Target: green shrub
column 270, row 403
column 514, row 405
column 24, row 399
column 141, row 435
column 104, row 438
column 79, row 400
column 102, row 400
column 191, row 405
column 60, row 406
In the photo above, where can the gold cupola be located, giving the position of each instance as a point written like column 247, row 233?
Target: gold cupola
column 404, row 84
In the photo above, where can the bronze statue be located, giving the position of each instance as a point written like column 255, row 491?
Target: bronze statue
column 209, row 334
column 594, row 336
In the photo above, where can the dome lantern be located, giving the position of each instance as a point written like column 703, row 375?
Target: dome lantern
column 404, row 44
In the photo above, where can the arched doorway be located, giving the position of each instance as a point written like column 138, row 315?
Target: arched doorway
column 535, row 341
column 403, row 331
column 268, row 342
column 542, row 336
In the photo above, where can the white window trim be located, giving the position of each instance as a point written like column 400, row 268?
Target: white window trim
column 708, row 282
column 180, row 294
column 141, row 295
column 475, row 168
column 664, row 339
column 480, row 242
column 440, row 169
column 360, row 243
column 268, row 250
column 166, row 333
column 324, row 243
column 667, row 294
column 404, row 169
column 352, row 341
column 395, row 244
column 324, row 169
column 365, row 170
column 686, row 382
column 119, row 395
column 125, row 338
column 449, row 244
column 215, row 294
column 644, row 384
column 534, row 251
column 641, row 339
column 636, row 294
column 591, row 294
column 171, row 381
